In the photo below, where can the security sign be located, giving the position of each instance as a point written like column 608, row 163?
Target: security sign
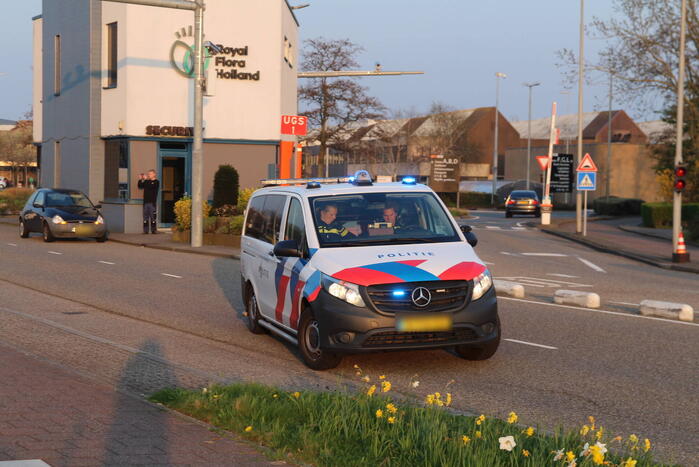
column 587, row 181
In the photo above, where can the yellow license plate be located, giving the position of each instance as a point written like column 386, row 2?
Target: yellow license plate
column 522, row 202
column 422, row 322
column 83, row 230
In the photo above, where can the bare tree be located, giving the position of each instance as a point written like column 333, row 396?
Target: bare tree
column 333, row 104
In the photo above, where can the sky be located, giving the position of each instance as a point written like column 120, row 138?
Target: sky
column 459, row 44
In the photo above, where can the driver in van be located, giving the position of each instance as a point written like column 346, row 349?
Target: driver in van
column 330, row 229
column 390, row 216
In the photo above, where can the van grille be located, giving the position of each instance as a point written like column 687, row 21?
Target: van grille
column 397, row 338
column 446, row 296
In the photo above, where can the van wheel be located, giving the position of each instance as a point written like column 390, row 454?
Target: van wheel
column 48, row 236
column 252, row 315
column 480, row 351
column 309, row 344
column 23, row 229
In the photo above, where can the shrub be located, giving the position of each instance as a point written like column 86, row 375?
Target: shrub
column 225, row 186
column 12, row 200
column 183, row 213
column 234, row 226
column 659, row 215
column 473, row 199
column 210, row 224
column 243, row 198
column 615, row 206
column 227, row 210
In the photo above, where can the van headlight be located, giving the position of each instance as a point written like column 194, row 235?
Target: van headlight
column 57, row 219
column 100, row 220
column 481, row 284
column 343, row 290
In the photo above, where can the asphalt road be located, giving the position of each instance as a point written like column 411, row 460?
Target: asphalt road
column 557, row 364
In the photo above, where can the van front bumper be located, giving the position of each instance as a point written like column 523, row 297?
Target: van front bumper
column 345, row 328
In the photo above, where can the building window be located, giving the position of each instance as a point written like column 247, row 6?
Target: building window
column 57, row 164
column 116, row 169
column 57, row 65
column 112, row 55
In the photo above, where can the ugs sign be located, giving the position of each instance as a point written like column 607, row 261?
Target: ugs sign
column 227, row 62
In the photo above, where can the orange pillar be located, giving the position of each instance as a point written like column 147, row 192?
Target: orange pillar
column 298, row 172
column 286, row 152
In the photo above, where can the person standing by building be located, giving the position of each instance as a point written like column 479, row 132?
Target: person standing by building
column 150, row 186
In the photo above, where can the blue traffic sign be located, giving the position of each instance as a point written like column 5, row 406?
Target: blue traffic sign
column 587, row 181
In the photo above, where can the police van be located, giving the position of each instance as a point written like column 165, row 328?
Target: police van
column 355, row 266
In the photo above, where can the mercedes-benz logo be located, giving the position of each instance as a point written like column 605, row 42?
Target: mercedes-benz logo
column 421, row 297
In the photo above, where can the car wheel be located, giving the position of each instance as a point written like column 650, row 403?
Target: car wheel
column 103, row 238
column 48, row 235
column 508, row 214
column 309, row 344
column 252, row 315
column 479, row 351
column 23, row 229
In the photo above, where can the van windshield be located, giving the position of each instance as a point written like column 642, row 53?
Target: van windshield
column 381, row 219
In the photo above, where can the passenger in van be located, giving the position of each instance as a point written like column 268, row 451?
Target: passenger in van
column 329, row 229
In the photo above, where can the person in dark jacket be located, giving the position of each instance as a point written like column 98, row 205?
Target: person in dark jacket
column 330, row 230
column 150, row 186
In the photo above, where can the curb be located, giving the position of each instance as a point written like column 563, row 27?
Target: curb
column 513, row 289
column 678, row 311
column 576, row 297
column 618, row 252
column 630, row 229
column 155, row 246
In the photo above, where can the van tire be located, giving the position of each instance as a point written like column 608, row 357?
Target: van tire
column 313, row 356
column 252, row 314
column 479, row 351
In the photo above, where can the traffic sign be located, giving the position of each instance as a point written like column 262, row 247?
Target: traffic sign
column 562, row 173
column 294, row 125
column 587, row 181
column 543, row 161
column 587, row 164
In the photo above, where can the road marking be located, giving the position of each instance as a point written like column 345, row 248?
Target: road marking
column 519, row 228
column 542, row 282
column 55, row 253
column 606, row 312
column 532, row 344
column 509, row 254
column 519, row 224
column 171, row 275
column 496, row 227
column 627, row 303
column 561, row 275
column 490, row 264
column 544, row 254
column 592, row 265
column 12, row 244
column 106, row 262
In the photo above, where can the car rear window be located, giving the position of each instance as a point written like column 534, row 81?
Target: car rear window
column 523, row 195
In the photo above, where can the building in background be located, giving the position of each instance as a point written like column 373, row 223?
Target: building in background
column 113, row 96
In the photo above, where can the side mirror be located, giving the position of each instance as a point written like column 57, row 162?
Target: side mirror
column 465, row 229
column 39, row 206
column 470, row 236
column 287, row 248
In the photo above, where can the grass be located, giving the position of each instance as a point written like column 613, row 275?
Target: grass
column 343, row 429
column 12, row 200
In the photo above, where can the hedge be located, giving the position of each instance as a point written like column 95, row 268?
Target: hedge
column 659, row 215
column 616, row 206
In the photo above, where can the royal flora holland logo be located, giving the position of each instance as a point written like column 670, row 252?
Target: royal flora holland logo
column 227, row 60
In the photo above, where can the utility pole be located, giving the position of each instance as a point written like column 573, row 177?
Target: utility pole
column 529, row 130
column 498, row 75
column 677, row 196
column 197, row 144
column 608, row 170
column 578, row 156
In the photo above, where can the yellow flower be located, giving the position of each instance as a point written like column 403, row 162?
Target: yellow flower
column 512, row 418
column 385, row 386
column 597, row 455
column 646, row 445
column 584, row 430
column 600, row 432
column 379, row 413
column 570, row 457
column 248, row 429
column 391, row 408
column 371, row 390
column 629, row 463
column 275, row 396
column 633, row 438
column 525, row 453
column 391, row 420
column 439, row 402
column 617, row 438
column 480, row 419
column 448, row 402
column 382, row 377
column 429, row 399
column 479, row 434
column 296, row 394
column 415, row 384
column 365, row 379
column 356, row 366
column 592, row 422
column 529, row 431
column 358, row 372
column 465, row 439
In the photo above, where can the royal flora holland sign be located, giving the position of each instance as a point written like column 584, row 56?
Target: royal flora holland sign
column 294, row 125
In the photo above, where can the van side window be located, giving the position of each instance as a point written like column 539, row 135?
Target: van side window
column 295, row 227
column 272, row 214
column 255, row 222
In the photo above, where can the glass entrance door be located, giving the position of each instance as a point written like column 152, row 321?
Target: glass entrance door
column 172, row 188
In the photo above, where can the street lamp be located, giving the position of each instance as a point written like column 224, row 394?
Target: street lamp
column 578, row 156
column 498, row 75
column 529, row 129
column 677, row 256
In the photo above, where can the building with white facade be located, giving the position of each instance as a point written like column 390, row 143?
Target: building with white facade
column 113, row 97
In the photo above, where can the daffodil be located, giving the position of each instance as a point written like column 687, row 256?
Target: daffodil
column 507, row 443
column 429, row 399
column 366, row 379
column 371, row 390
column 570, row 457
column 296, row 394
column 529, row 431
column 559, row 455
column 586, row 450
column 465, row 439
column 274, row 396
column 525, row 453
column 480, row 419
column 584, row 430
column 646, row 445
column 573, row 463
column 602, row 447
column 248, row 429
column 204, row 390
column 415, row 384
column 439, row 402
column 385, row 386
column 391, row 420
column 356, row 367
column 512, row 418
column 629, row 463
column 617, row 438
column 599, row 433
column 448, row 402
column 597, row 455
column 633, row 438
column 478, row 434
column 391, row 408
column 382, row 377
column 592, row 422
column 379, row 413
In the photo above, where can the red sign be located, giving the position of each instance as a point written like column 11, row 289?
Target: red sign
column 587, row 164
column 294, row 125
column 543, row 161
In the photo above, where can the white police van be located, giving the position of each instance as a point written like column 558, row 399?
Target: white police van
column 355, row 266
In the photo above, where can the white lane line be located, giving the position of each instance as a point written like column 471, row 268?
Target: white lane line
column 568, row 276
column 531, row 283
column 54, row 253
column 627, row 303
column 508, row 253
column 532, row 344
column 519, row 224
column 496, row 227
column 592, row 265
column 544, row 254
column 606, row 312
column 171, row 275
column 489, row 264
column 106, row 262
column 12, row 244
column 519, row 228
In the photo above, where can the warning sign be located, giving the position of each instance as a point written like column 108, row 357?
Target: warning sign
column 587, row 181
column 587, row 164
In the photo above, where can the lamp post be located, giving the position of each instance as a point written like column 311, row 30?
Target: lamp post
column 578, row 156
column 529, row 130
column 678, row 257
column 498, row 75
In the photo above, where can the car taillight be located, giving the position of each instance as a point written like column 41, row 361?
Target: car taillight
column 535, row 202
column 511, row 201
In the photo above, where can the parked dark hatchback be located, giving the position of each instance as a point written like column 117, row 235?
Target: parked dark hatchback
column 61, row 213
column 522, row 202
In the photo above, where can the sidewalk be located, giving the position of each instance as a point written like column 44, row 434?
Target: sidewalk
column 625, row 237
column 50, row 413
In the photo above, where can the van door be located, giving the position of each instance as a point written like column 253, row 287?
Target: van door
column 294, row 229
column 252, row 247
column 272, row 284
